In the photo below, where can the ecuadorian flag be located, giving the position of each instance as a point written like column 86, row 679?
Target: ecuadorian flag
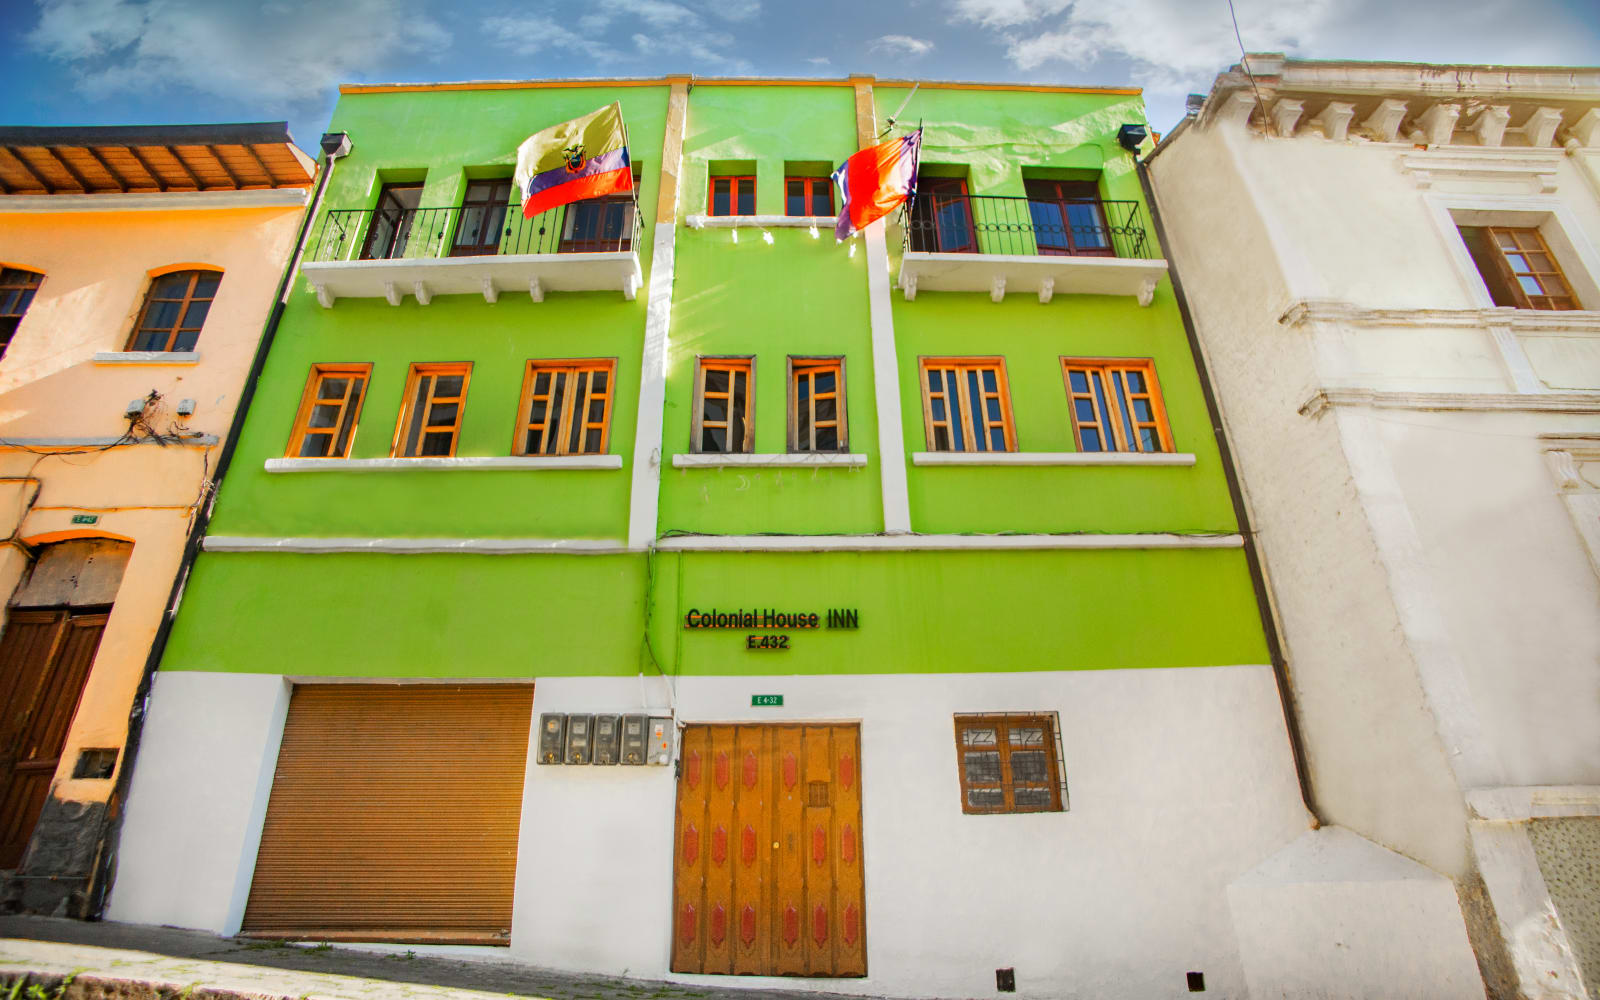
column 584, row 158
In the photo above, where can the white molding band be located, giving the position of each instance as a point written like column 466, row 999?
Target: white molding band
column 703, row 221
column 645, row 493
column 164, row 201
column 803, row 460
column 1520, row 803
column 198, row 440
column 1032, row 458
column 886, row 384
column 1483, row 402
column 146, row 357
column 417, row 546
column 523, row 463
column 1527, row 320
column 871, row 543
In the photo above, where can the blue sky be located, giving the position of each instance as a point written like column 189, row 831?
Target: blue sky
column 180, row 61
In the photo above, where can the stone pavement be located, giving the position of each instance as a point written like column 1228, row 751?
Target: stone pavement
column 129, row 962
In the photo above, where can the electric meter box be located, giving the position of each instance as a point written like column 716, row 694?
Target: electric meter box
column 607, row 739
column 635, row 736
column 552, row 738
column 659, row 749
column 580, row 739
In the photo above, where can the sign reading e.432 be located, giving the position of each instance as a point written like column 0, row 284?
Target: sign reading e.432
column 766, row 699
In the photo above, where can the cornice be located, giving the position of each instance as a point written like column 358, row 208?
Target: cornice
column 1522, row 320
column 1484, row 402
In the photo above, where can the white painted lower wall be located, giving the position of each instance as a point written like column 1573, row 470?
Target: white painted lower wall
column 1180, row 781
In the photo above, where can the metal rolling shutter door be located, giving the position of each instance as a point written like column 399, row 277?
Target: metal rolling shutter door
column 394, row 815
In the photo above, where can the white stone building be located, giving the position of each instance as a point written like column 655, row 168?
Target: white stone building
column 1394, row 277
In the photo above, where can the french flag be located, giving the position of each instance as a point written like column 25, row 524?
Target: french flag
column 875, row 182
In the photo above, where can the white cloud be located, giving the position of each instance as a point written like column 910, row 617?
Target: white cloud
column 1169, row 46
column 820, row 61
column 901, row 45
column 277, row 54
column 629, row 30
column 530, row 35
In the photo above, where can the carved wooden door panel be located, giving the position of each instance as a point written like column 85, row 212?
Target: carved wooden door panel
column 767, row 857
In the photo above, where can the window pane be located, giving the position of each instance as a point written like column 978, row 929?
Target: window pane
column 803, row 388
column 195, row 316
column 716, row 410
column 714, row 439
column 989, row 383
column 333, row 388
column 600, row 381
column 186, row 340
column 1079, row 381
column 747, row 197
column 448, row 385
column 974, row 400
column 1136, row 382
column 821, row 198
column 719, row 198
column 1149, row 440
column 442, row 414
column 1141, row 411
column 1027, row 736
column 979, row 738
column 716, row 380
column 597, row 410
column 170, row 286
column 827, row 439
column 437, row 443
column 150, row 342
column 1030, row 766
column 941, row 439
column 205, row 286
column 825, row 381
column 1091, row 440
column 795, row 197
column 1084, row 409
column 591, row 444
column 986, row 798
column 937, row 405
column 982, row 767
column 315, row 445
column 1032, row 798
column 541, row 383
column 418, row 402
column 342, row 446
column 161, row 315
column 324, row 416
column 827, row 409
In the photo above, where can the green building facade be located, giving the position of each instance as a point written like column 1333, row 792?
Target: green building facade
column 912, row 709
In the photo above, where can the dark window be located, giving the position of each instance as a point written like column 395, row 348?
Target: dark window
column 816, row 405
column 1009, row 764
column 483, row 219
column 1068, row 218
column 732, row 196
column 326, row 423
column 941, row 217
column 566, row 407
column 16, row 292
column 1116, row 405
column 722, row 407
column 430, row 419
column 391, row 221
column 598, row 224
column 808, row 196
column 174, row 311
column 1518, row 268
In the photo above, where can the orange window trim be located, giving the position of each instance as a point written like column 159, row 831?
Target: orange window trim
column 811, row 184
column 188, row 299
column 409, row 410
column 311, row 397
column 964, row 406
column 570, row 369
column 731, row 365
column 737, row 183
column 1101, row 371
column 800, row 369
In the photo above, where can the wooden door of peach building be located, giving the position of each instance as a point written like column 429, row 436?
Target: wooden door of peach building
column 767, row 861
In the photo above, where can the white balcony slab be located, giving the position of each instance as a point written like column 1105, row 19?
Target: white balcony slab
column 1044, row 276
column 146, row 357
column 809, row 460
column 1027, row 458
column 533, row 275
column 524, row 463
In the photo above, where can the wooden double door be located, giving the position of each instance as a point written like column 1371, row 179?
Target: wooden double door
column 768, row 852
column 44, row 663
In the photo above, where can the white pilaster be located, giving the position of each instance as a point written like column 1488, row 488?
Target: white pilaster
column 645, row 497
column 886, row 385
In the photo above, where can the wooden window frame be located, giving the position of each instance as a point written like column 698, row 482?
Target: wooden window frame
column 18, row 286
column 732, row 363
column 798, row 366
column 826, row 183
column 572, row 366
column 309, row 398
column 1529, row 240
column 487, row 207
column 737, row 180
column 184, row 303
column 408, row 405
column 926, row 200
column 963, row 365
column 1002, row 723
column 1101, row 369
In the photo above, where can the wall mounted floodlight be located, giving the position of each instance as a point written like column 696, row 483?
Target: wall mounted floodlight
column 336, row 144
column 1130, row 136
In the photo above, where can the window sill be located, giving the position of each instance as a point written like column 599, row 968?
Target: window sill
column 703, row 221
column 525, row 463
column 804, row 460
column 146, row 357
column 1049, row 458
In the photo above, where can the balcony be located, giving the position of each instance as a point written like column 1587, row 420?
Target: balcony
column 392, row 252
column 966, row 243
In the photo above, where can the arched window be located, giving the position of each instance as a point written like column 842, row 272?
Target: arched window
column 174, row 311
column 16, row 291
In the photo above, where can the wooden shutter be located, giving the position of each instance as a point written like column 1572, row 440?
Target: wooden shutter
column 394, row 815
column 44, row 662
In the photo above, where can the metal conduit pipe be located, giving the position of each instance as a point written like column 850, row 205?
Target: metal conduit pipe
column 1258, row 580
column 334, row 146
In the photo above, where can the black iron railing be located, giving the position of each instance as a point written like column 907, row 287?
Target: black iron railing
column 597, row 224
column 950, row 223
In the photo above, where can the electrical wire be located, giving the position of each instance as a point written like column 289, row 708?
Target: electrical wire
column 1244, row 62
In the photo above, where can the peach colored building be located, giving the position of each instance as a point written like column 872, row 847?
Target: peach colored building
column 138, row 267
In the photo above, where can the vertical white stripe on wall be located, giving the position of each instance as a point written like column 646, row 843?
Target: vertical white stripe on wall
column 886, row 383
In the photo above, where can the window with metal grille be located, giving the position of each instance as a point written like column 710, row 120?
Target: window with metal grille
column 17, row 288
column 1518, row 268
column 325, row 426
column 483, row 218
column 808, row 196
column 1116, row 404
column 966, row 405
column 1010, row 763
column 723, row 406
column 174, row 311
column 732, row 196
column 816, row 405
column 566, row 407
column 430, row 419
